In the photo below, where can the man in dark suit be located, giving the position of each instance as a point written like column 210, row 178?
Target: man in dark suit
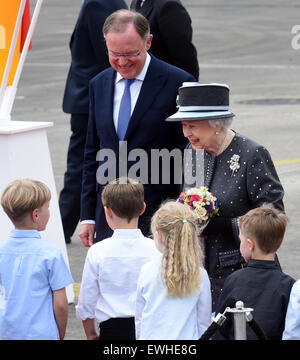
column 171, row 27
column 153, row 98
column 89, row 57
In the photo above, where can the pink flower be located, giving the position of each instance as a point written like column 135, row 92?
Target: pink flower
column 193, row 198
column 182, row 196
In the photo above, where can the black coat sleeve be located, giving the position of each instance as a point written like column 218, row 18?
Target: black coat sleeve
column 176, row 29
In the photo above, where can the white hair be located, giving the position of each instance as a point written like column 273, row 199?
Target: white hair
column 224, row 122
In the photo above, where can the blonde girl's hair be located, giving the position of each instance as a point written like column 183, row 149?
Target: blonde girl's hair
column 22, row 196
column 182, row 255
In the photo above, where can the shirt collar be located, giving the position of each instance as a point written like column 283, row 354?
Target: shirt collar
column 141, row 75
column 25, row 234
column 127, row 233
column 263, row 264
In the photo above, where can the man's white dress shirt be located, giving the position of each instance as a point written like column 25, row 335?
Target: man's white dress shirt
column 135, row 89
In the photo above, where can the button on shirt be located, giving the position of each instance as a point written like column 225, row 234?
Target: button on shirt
column 30, row 270
column 110, row 274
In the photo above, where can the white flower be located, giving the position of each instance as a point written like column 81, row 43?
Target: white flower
column 234, row 163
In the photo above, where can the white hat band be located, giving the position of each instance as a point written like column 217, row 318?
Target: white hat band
column 203, row 108
column 196, row 115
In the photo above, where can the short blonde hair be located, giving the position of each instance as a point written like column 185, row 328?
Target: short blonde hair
column 125, row 197
column 182, row 256
column 265, row 225
column 22, row 196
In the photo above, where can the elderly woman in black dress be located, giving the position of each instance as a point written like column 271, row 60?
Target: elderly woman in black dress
column 237, row 170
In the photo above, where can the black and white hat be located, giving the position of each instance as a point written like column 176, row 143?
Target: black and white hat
column 202, row 102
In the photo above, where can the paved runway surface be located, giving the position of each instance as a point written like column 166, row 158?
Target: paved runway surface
column 246, row 44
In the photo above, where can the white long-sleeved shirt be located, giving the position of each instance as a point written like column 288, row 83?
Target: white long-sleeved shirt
column 160, row 318
column 110, row 274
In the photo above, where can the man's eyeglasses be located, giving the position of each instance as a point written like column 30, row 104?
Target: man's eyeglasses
column 116, row 55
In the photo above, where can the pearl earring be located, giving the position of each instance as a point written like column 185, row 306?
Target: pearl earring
column 217, row 133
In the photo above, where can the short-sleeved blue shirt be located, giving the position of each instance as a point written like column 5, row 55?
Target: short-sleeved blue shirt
column 30, row 270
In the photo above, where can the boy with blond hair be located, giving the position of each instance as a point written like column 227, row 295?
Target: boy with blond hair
column 261, row 285
column 112, row 266
column 33, row 272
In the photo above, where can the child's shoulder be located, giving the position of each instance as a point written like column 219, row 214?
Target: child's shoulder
column 45, row 248
column 203, row 272
column 153, row 263
column 296, row 286
column 148, row 241
column 150, row 248
column 47, row 245
column 288, row 280
column 295, row 291
column 238, row 275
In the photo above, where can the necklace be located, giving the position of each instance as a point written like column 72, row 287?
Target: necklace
column 224, row 143
column 196, row 174
column 212, row 158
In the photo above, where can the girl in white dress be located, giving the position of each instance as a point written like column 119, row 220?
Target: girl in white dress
column 173, row 293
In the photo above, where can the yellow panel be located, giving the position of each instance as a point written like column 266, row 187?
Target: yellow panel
column 8, row 17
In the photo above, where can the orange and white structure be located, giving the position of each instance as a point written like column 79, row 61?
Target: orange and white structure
column 24, row 150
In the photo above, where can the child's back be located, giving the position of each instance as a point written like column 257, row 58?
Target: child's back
column 169, row 318
column 33, row 273
column 31, row 269
column 263, row 287
column 173, row 296
column 114, row 265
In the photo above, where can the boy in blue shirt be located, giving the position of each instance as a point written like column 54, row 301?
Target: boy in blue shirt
column 33, row 272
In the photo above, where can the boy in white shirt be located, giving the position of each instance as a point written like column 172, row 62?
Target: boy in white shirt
column 112, row 266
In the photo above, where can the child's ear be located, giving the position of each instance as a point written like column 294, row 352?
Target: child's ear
column 251, row 244
column 34, row 215
column 144, row 209
column 158, row 236
column 159, row 241
column 108, row 211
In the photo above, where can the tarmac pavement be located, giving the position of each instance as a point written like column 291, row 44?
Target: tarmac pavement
column 246, row 44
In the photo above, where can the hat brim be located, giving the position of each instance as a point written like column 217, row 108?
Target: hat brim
column 193, row 115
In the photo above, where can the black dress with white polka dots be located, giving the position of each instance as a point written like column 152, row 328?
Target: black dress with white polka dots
column 253, row 182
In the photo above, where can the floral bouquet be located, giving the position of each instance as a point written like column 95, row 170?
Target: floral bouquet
column 203, row 203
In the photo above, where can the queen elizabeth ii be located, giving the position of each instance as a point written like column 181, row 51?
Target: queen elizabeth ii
column 237, row 170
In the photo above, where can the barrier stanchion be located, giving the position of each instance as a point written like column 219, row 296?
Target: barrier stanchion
column 241, row 316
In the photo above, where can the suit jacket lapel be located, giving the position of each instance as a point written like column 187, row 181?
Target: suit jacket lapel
column 152, row 84
column 108, row 95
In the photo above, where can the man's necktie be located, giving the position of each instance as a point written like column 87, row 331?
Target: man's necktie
column 125, row 110
column 138, row 4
